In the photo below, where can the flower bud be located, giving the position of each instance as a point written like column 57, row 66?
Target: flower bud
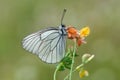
column 83, row 73
column 87, row 57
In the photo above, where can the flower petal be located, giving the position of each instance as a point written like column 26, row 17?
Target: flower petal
column 84, row 31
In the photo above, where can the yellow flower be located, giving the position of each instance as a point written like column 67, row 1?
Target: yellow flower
column 85, row 31
column 83, row 73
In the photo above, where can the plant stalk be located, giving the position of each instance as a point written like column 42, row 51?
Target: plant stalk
column 73, row 57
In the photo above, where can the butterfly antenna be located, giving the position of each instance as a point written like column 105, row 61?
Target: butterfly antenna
column 64, row 11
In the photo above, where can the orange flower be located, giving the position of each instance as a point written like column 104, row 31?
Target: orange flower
column 73, row 33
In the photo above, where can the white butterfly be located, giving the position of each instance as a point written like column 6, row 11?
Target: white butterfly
column 49, row 44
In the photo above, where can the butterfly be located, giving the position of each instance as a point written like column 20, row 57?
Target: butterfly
column 48, row 44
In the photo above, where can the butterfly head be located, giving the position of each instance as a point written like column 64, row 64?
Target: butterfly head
column 63, row 25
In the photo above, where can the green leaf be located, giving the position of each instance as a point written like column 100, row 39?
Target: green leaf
column 61, row 68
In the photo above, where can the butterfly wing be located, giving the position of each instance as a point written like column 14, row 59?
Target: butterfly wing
column 48, row 44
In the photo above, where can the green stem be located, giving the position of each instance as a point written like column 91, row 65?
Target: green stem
column 58, row 66
column 73, row 57
column 55, row 73
column 78, row 67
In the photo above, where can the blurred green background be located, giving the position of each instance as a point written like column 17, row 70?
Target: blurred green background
column 18, row 18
